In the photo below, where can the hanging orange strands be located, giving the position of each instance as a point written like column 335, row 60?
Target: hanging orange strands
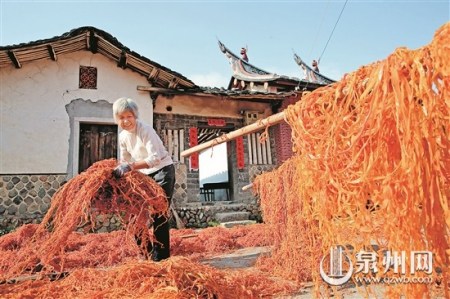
column 371, row 165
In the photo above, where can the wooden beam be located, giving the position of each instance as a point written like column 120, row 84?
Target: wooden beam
column 176, row 149
column 161, row 90
column 264, row 151
column 258, row 148
column 181, row 145
column 254, row 145
column 154, row 73
column 269, row 151
column 93, row 42
column 152, row 76
column 123, row 60
column 51, row 52
column 14, row 59
column 170, row 143
column 173, row 83
column 249, row 148
column 266, row 122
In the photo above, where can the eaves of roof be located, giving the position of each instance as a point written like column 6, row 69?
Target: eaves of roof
column 232, row 94
column 97, row 41
column 283, row 83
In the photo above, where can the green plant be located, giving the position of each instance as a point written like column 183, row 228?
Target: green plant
column 213, row 223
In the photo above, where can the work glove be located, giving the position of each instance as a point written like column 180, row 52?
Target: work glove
column 120, row 170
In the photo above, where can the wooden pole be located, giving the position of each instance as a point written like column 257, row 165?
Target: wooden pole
column 266, row 122
column 179, row 222
column 246, row 187
column 181, row 145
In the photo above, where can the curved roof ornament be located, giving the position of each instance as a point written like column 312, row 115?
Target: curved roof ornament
column 310, row 74
column 243, row 70
column 263, row 80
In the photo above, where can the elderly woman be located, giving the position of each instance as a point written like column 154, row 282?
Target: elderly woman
column 142, row 149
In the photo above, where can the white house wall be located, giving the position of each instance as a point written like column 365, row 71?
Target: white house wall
column 35, row 132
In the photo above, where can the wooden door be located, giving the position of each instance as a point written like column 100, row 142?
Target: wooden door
column 97, row 142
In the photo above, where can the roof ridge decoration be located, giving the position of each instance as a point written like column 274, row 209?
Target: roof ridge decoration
column 310, row 74
column 243, row 70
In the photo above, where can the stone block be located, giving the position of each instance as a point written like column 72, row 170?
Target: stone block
column 232, row 216
column 231, row 224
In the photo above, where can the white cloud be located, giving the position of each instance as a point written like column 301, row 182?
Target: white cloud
column 213, row 79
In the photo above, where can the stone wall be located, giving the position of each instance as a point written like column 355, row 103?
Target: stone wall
column 180, row 195
column 192, row 215
column 204, row 216
column 25, row 198
column 255, row 170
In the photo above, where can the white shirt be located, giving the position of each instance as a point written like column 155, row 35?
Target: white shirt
column 144, row 144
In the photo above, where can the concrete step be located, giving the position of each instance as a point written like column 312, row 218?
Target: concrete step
column 232, row 216
column 231, row 224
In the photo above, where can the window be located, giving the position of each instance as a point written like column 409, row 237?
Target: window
column 88, row 77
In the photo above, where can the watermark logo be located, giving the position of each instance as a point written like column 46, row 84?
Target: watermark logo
column 336, row 268
column 336, row 275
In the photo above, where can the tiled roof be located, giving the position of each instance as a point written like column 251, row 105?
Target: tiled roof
column 233, row 94
column 245, row 93
column 96, row 41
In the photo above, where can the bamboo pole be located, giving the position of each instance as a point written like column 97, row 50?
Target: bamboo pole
column 249, row 148
column 269, row 151
column 170, row 142
column 176, row 150
column 258, row 148
column 266, row 122
column 263, row 152
column 181, row 145
column 246, row 187
column 254, row 145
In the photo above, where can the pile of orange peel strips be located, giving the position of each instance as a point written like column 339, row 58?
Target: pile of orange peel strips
column 62, row 257
column 370, row 171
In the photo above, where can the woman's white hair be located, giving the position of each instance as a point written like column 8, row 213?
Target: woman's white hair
column 125, row 104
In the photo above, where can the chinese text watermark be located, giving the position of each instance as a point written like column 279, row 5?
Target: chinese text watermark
column 340, row 267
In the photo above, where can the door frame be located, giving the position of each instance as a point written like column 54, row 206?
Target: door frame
column 76, row 137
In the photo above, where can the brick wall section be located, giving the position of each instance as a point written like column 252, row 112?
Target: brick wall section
column 283, row 135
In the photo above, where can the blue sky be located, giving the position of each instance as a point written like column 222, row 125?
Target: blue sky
column 182, row 35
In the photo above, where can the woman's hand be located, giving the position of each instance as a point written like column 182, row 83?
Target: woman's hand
column 120, row 170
